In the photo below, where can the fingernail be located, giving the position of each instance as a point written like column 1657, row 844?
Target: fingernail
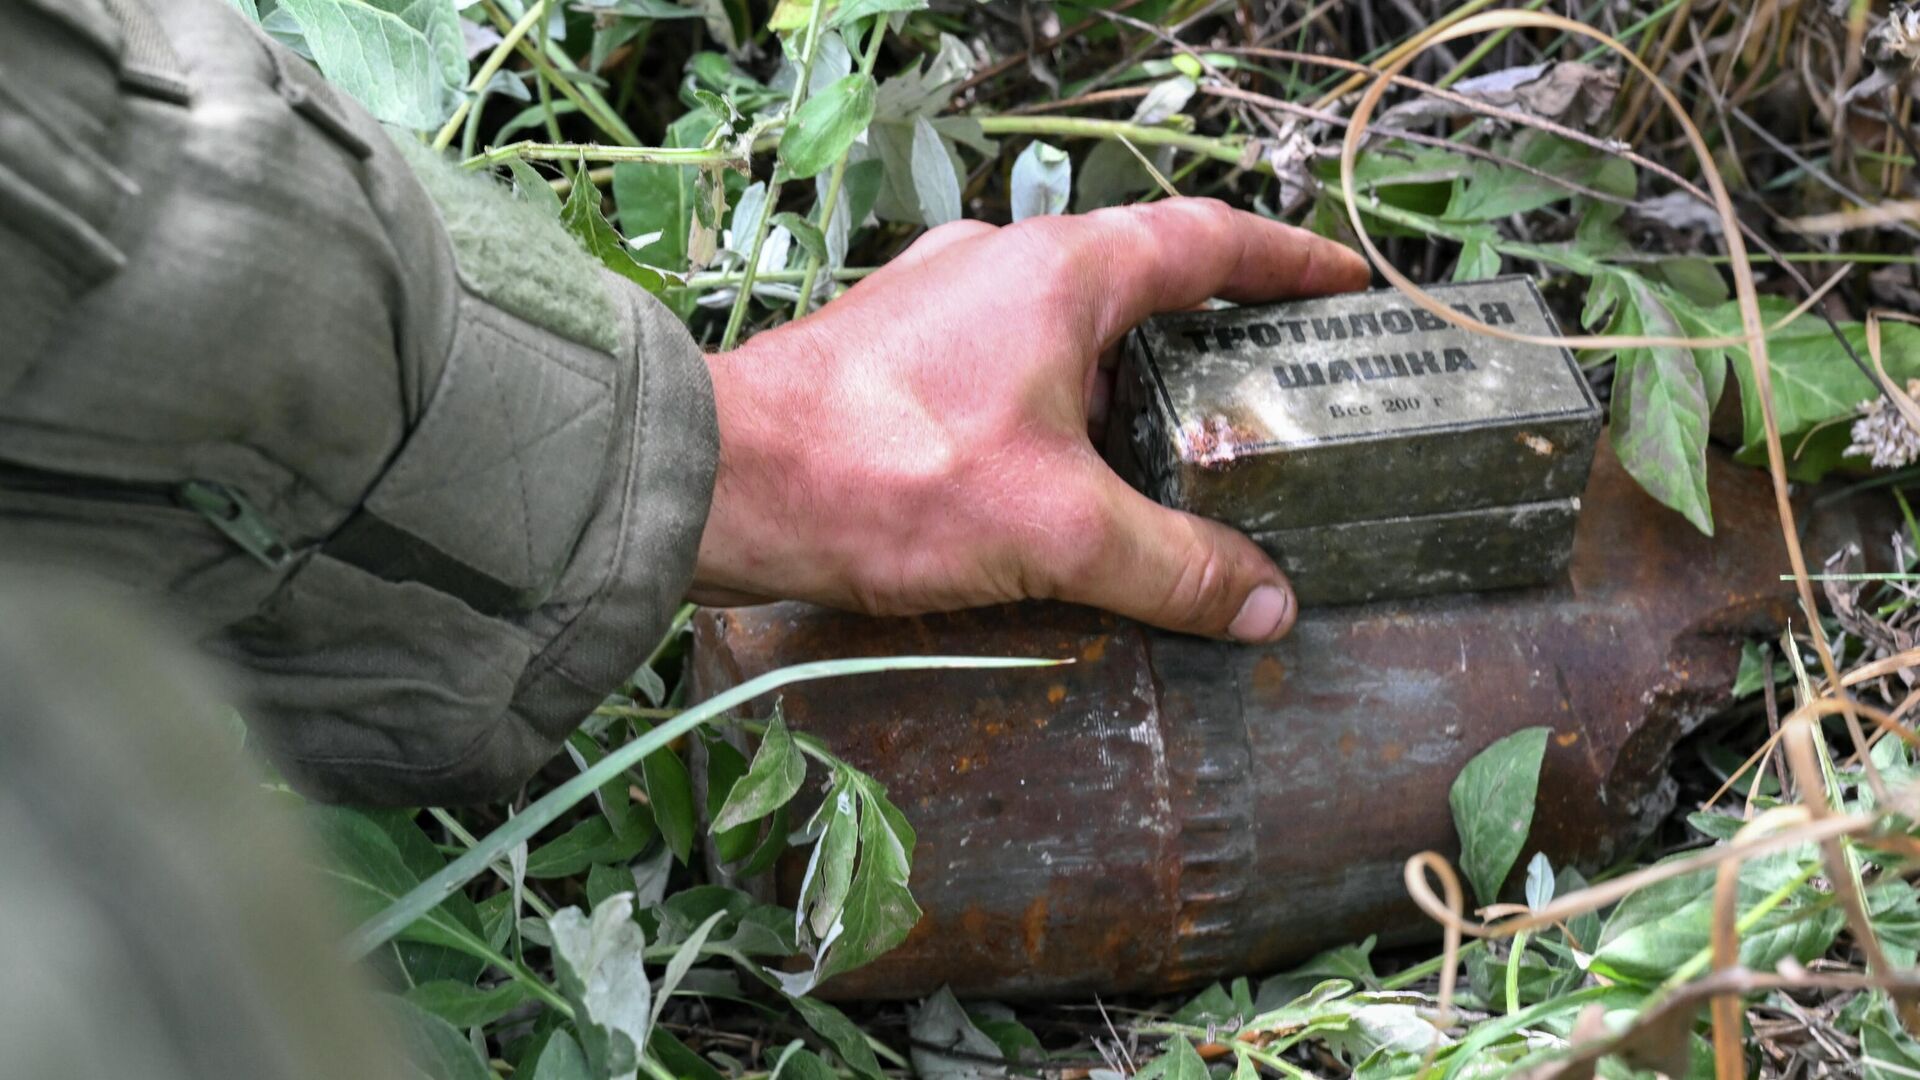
column 1260, row 617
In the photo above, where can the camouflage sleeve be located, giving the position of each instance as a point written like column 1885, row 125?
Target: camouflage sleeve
column 369, row 428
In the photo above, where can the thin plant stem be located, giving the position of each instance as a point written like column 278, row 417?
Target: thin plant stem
column 838, row 176
column 430, row 893
column 1513, row 971
column 491, row 67
column 656, row 155
column 1223, row 148
column 550, row 61
column 502, row 871
column 737, row 318
column 721, row 280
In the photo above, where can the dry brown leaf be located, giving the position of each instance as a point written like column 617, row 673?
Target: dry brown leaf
column 1568, row 92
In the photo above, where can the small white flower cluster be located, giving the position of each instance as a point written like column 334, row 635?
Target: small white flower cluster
column 1900, row 34
column 1883, row 435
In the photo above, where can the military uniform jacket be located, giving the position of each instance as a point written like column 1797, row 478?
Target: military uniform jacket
column 366, row 426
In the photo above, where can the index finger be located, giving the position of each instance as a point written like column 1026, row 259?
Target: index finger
column 1172, row 255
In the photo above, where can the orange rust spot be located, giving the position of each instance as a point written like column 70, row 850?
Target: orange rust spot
column 963, row 764
column 994, row 727
column 1348, row 743
column 973, row 921
column 1093, row 652
column 1393, row 752
column 1567, row 739
column 1269, row 678
column 1056, row 694
column 1033, row 927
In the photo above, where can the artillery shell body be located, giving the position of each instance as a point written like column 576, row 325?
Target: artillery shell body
column 1168, row 810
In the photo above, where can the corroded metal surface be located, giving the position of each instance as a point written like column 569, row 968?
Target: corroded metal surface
column 1169, row 809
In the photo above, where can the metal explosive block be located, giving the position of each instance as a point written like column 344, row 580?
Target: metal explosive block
column 1360, row 435
column 1168, row 810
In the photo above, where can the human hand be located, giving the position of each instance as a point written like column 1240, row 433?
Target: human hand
column 922, row 443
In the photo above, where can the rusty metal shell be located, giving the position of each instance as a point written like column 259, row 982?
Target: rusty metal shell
column 1169, row 809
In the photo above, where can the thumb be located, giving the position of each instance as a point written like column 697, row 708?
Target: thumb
column 1181, row 572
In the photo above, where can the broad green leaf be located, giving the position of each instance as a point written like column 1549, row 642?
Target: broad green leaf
column 605, row 882
column 1110, row 175
column 1042, row 181
column 591, row 842
column 403, row 59
column 777, row 772
column 805, row 232
column 1016, row 1041
column 1211, row 1006
column 437, row 1050
column 1887, row 1052
column 851, row 11
column 936, row 184
column 1813, row 379
column 826, row 125
column 679, row 1059
column 823, row 891
column 1183, row 1062
column 670, row 793
column 940, row 1024
column 1353, row 964
column 1374, row 1025
column 598, row 965
column 1695, row 278
column 581, row 215
column 862, row 188
column 726, row 765
column 1660, row 408
column 632, row 823
column 466, row 1006
column 773, row 844
column 530, row 187
column 1479, row 256
column 880, row 910
column 425, row 962
column 1493, row 800
column 1492, row 192
column 1400, row 165
column 363, row 859
column 1653, row 934
column 662, row 199
column 562, row 1059
column 796, row 1062
column 840, row 1033
column 647, row 9
column 1751, row 676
